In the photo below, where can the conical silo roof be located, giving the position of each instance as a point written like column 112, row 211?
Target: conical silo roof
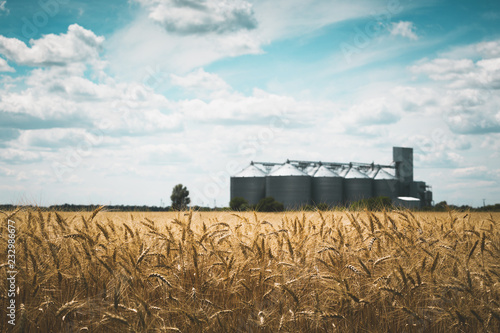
column 274, row 168
column 382, row 174
column 354, row 173
column 342, row 171
column 287, row 170
column 323, row 171
column 250, row 171
column 311, row 170
column 372, row 173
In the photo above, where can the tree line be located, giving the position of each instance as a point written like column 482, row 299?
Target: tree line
column 181, row 201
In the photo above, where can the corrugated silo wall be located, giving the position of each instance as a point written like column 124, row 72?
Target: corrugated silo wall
column 328, row 190
column 293, row 191
column 386, row 188
column 357, row 188
column 251, row 189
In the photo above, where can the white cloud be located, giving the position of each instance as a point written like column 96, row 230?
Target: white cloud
column 444, row 69
column 64, row 95
column 201, row 17
column 77, row 45
column 171, row 53
column 463, row 110
column 4, row 66
column 405, row 29
column 378, row 111
column 258, row 109
column 122, row 116
column 2, row 8
column 413, row 99
column 483, row 50
column 200, row 80
column 15, row 155
column 53, row 138
column 473, row 172
column 440, row 159
column 489, row 49
column 479, row 68
column 466, row 89
column 181, row 53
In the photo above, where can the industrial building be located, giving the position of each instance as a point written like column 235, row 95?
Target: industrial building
column 298, row 183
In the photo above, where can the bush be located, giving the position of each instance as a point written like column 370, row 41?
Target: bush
column 441, row 206
column 268, row 204
column 238, row 204
column 373, row 204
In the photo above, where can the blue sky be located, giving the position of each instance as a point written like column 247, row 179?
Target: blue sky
column 115, row 102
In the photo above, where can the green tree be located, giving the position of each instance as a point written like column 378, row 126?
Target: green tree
column 441, row 206
column 180, row 197
column 380, row 203
column 238, row 204
column 268, row 204
column 373, row 204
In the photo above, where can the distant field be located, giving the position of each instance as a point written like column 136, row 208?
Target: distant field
column 200, row 217
column 247, row 272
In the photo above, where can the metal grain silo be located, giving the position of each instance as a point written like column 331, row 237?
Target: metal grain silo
column 249, row 184
column 327, row 187
column 385, row 185
column 289, row 186
column 357, row 186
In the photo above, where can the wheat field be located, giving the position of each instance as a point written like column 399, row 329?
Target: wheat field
column 392, row 271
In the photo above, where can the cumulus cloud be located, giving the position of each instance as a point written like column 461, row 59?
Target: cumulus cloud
column 200, row 80
column 201, row 17
column 368, row 118
column 444, row 69
column 482, row 50
column 464, row 73
column 463, row 110
column 77, row 45
column 261, row 108
column 413, row 99
column 63, row 96
column 405, row 29
column 466, row 89
column 439, row 142
column 489, row 49
column 4, row 66
column 378, row 111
